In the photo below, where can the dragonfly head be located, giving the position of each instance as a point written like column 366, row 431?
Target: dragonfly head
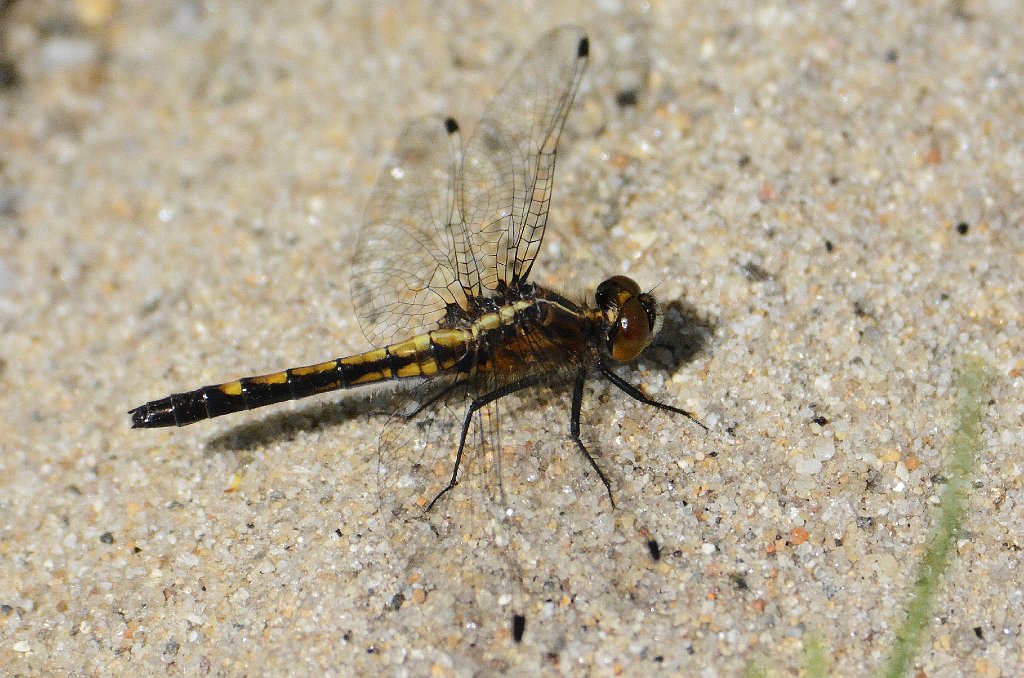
column 631, row 316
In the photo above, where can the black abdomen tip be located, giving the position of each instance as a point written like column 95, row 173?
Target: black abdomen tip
column 584, row 48
column 138, row 417
column 451, row 126
column 152, row 415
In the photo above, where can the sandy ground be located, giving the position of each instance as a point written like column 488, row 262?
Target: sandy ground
column 832, row 196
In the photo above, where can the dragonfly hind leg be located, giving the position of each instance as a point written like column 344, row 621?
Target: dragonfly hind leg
column 476, row 405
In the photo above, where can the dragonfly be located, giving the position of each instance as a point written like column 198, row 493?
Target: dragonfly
column 441, row 278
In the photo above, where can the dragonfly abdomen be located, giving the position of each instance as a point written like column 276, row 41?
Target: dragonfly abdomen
column 421, row 356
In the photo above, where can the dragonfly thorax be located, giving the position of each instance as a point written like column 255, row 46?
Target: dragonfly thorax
column 631, row 317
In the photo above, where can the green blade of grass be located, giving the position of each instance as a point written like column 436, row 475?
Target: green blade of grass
column 817, row 658
column 964, row 448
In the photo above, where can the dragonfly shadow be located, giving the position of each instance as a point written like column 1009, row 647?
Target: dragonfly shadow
column 286, row 426
column 685, row 333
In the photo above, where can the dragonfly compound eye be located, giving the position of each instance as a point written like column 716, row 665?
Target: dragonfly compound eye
column 631, row 316
column 631, row 332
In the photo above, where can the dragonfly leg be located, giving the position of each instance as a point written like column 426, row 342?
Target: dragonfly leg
column 477, row 404
column 574, row 430
column 636, row 394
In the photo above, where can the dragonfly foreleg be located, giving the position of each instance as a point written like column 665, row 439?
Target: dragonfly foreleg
column 636, row 394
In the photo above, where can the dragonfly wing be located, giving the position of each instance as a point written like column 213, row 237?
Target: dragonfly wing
column 405, row 273
column 508, row 169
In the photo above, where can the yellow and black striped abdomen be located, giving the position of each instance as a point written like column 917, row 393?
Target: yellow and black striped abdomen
column 421, row 356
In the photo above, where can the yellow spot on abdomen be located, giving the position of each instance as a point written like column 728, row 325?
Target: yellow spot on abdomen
column 313, row 369
column 233, row 388
column 275, row 378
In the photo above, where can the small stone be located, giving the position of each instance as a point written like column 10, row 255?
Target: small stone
column 62, row 54
column 824, row 449
column 798, row 535
column 807, row 467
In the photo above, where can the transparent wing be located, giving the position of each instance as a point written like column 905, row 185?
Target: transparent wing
column 405, row 269
column 442, row 229
column 508, row 169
